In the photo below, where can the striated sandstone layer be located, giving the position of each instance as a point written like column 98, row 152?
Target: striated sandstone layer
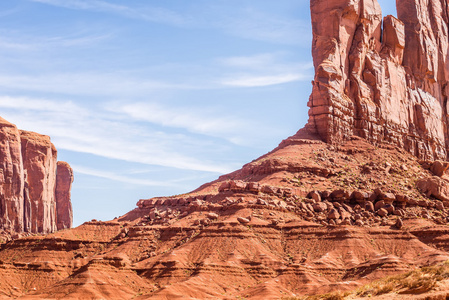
column 28, row 183
column 383, row 79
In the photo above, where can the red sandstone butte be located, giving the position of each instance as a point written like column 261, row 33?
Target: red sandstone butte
column 383, row 79
column 28, row 178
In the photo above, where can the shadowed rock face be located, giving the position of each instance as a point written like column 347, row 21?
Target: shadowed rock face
column 381, row 79
column 28, row 179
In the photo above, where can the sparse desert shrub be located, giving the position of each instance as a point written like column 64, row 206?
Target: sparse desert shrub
column 417, row 281
column 329, row 296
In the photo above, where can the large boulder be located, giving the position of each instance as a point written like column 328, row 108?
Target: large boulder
column 434, row 186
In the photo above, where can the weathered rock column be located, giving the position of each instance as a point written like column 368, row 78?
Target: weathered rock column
column 64, row 179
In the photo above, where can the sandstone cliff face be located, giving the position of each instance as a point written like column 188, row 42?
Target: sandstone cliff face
column 11, row 177
column 28, row 177
column 39, row 161
column 381, row 79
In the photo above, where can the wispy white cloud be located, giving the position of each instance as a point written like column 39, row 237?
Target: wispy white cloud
column 12, row 40
column 25, row 103
column 146, row 13
column 263, row 70
column 248, row 23
column 251, row 71
column 274, row 62
column 262, row 26
column 88, row 83
column 256, row 61
column 98, row 132
column 197, row 120
column 258, row 81
column 120, row 178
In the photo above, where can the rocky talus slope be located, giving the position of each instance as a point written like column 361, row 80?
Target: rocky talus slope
column 34, row 187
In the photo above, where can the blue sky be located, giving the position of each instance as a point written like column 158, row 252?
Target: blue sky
column 151, row 98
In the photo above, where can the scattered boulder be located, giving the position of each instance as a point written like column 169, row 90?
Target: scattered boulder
column 269, row 190
column 315, row 196
column 434, row 186
column 379, row 205
column 340, row 195
column 439, row 167
column 243, row 220
column 382, row 212
column 237, row 185
column 439, row 205
column 253, row 187
column 359, row 222
column 212, row 216
column 360, row 197
column 369, row 206
column 399, row 223
column 389, row 208
column 225, row 186
column 319, row 207
column 333, row 214
column 388, row 198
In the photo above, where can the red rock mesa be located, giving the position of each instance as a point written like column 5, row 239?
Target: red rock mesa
column 35, row 188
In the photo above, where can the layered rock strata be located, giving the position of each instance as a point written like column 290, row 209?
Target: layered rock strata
column 381, row 79
column 34, row 190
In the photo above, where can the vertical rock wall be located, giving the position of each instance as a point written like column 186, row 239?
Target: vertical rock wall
column 11, row 178
column 39, row 162
column 384, row 79
column 28, row 178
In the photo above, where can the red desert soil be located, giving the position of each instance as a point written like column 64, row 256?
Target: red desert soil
column 307, row 218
